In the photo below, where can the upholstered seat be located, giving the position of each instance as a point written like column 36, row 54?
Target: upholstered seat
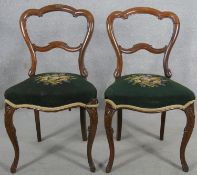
column 148, row 91
column 52, row 90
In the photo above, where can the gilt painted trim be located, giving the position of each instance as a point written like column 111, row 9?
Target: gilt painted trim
column 51, row 109
column 162, row 109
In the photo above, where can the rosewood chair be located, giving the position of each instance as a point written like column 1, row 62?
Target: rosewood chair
column 54, row 91
column 146, row 93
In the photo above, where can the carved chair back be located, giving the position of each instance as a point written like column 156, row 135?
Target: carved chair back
column 81, row 48
column 119, row 49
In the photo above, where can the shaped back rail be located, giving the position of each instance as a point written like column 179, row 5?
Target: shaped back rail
column 119, row 49
column 33, row 48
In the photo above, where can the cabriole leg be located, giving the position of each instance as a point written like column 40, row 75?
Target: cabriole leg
column 91, row 135
column 109, row 112
column 189, row 111
column 9, row 111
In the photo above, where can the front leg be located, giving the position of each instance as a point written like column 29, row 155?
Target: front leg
column 9, row 111
column 189, row 111
column 109, row 112
column 91, row 135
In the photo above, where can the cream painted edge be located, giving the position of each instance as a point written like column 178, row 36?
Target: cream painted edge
column 51, row 108
column 162, row 109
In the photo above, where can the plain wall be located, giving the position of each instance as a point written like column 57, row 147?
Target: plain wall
column 100, row 57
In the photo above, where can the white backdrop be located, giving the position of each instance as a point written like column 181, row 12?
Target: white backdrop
column 100, row 57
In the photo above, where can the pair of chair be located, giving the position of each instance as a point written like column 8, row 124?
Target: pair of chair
column 52, row 92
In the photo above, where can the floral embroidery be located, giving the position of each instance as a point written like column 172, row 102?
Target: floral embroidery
column 146, row 80
column 54, row 79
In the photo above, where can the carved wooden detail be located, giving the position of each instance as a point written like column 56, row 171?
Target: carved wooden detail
column 57, row 44
column 109, row 112
column 91, row 133
column 189, row 111
column 9, row 111
column 119, row 49
column 140, row 46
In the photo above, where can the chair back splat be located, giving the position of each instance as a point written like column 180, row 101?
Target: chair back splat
column 33, row 48
column 119, row 49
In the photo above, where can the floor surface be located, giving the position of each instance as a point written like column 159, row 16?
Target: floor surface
column 62, row 151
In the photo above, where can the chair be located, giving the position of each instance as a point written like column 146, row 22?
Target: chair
column 146, row 93
column 54, row 91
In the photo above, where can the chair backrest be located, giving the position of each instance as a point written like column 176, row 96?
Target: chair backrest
column 119, row 49
column 57, row 44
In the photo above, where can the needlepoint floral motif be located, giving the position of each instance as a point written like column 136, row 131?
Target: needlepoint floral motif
column 54, row 79
column 146, row 80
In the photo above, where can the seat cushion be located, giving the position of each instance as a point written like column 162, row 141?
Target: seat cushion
column 52, row 90
column 148, row 91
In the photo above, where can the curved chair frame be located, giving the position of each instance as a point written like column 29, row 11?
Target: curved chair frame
column 111, row 107
column 91, row 107
column 57, row 44
column 119, row 49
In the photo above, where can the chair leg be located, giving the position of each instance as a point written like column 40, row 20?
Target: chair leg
column 119, row 124
column 37, row 120
column 162, row 128
column 109, row 112
column 83, row 123
column 91, row 135
column 189, row 111
column 9, row 111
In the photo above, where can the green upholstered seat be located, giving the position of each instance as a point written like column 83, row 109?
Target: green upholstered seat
column 148, row 91
column 52, row 90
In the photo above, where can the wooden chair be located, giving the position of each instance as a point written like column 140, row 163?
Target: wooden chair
column 52, row 92
column 146, row 93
